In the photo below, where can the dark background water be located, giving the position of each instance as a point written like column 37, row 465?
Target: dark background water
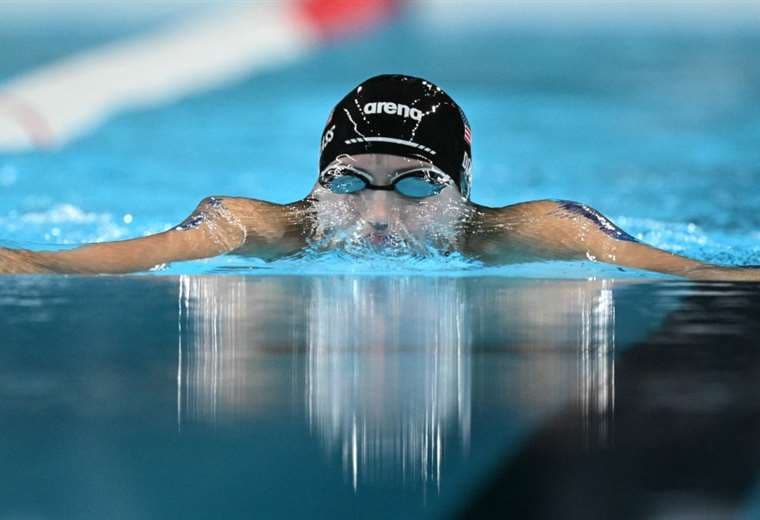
column 380, row 396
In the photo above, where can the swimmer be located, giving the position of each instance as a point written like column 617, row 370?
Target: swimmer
column 394, row 176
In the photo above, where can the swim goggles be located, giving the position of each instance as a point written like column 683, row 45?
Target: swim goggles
column 417, row 183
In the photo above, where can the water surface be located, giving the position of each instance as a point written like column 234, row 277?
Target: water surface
column 392, row 395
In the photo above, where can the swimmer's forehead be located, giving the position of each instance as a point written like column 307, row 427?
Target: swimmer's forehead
column 381, row 162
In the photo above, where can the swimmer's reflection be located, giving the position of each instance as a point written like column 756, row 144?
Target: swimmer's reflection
column 383, row 367
column 388, row 373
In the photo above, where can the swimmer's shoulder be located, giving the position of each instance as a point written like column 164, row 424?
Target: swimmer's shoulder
column 550, row 218
column 507, row 233
column 532, row 208
column 534, row 217
column 519, row 232
column 547, row 207
column 241, row 206
column 269, row 226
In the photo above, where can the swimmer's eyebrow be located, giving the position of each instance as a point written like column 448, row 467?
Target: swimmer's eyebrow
column 398, row 173
column 369, row 174
column 395, row 174
column 351, row 167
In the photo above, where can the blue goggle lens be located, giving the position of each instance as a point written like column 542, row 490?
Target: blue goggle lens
column 346, row 183
column 417, row 184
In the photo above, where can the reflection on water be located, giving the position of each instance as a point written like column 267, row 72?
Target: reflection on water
column 376, row 392
column 384, row 370
column 388, row 373
column 596, row 365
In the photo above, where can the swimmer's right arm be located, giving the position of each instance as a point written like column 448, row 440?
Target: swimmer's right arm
column 218, row 225
column 566, row 230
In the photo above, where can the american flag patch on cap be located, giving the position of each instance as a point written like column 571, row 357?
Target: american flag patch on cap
column 467, row 135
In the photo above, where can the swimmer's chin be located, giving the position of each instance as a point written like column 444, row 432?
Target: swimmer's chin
column 382, row 240
column 373, row 244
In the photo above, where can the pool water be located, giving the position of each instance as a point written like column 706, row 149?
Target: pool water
column 222, row 395
column 401, row 396
column 338, row 387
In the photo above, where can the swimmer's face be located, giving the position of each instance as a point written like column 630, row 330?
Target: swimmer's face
column 385, row 218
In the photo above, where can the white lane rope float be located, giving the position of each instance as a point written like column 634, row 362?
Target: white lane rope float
column 53, row 105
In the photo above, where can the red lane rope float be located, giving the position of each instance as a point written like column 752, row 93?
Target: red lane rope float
column 335, row 18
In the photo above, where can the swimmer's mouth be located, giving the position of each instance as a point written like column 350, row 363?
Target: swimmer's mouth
column 379, row 239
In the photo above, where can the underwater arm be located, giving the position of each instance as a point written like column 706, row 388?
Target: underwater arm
column 564, row 230
column 217, row 226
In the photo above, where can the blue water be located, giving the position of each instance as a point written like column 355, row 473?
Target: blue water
column 656, row 130
column 261, row 396
column 346, row 395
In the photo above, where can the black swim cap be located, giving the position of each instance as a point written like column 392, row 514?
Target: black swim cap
column 401, row 115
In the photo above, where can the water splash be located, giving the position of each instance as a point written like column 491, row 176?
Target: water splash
column 64, row 224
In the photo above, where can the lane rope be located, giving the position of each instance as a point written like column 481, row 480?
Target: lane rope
column 55, row 104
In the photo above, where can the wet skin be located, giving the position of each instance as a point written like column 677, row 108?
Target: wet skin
column 378, row 219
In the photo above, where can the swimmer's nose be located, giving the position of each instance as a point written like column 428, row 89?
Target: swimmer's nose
column 377, row 211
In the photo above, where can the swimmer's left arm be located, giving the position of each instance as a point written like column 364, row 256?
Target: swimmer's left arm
column 218, row 225
column 564, row 230
column 212, row 229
